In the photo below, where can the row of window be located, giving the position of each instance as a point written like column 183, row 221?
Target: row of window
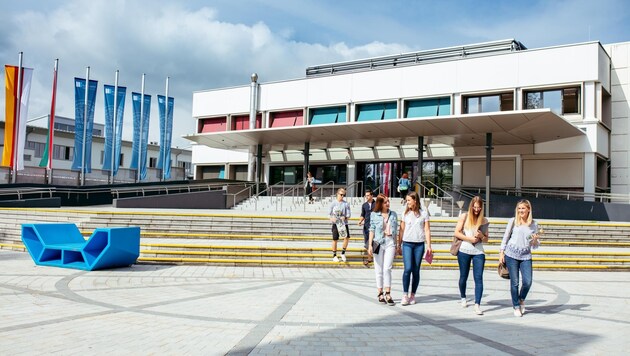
column 66, row 153
column 560, row 101
column 70, row 128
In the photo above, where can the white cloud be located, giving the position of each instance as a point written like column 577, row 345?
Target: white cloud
column 193, row 47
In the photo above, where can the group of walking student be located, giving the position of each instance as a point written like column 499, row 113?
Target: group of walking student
column 386, row 236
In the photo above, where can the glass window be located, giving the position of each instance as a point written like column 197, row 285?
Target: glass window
column 560, row 101
column 63, row 152
column 488, row 103
column 38, row 147
column 328, row 115
column 378, row 111
column 428, row 107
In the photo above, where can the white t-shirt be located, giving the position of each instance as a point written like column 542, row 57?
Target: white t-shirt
column 468, row 248
column 414, row 226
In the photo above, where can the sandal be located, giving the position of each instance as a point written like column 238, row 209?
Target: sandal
column 380, row 298
column 388, row 299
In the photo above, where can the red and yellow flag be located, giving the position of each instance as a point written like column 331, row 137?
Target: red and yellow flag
column 16, row 113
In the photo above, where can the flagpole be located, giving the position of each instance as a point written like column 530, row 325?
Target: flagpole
column 85, row 114
column 140, row 135
column 114, row 127
column 51, row 122
column 165, row 132
column 16, row 127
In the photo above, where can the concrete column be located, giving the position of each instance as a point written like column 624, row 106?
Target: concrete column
column 590, row 174
column 488, row 170
column 351, row 174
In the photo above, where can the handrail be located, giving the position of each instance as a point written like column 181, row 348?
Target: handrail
column 156, row 188
column 351, row 186
column 564, row 194
column 448, row 196
column 378, row 189
column 269, row 188
column 248, row 186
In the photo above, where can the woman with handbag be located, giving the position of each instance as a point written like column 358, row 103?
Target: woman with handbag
column 472, row 230
column 383, row 232
column 413, row 236
column 521, row 236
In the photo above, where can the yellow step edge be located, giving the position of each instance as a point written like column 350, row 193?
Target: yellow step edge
column 341, row 264
column 350, row 256
column 287, row 217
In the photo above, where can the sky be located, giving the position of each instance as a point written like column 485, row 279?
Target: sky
column 210, row 44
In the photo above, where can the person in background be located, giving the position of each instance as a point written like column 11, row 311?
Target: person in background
column 521, row 236
column 339, row 213
column 413, row 237
column 366, row 211
column 308, row 187
column 383, row 230
column 472, row 229
column 403, row 187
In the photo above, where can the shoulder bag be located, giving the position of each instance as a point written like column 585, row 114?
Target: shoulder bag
column 502, row 268
column 455, row 244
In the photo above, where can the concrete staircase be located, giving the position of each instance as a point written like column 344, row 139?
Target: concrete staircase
column 303, row 238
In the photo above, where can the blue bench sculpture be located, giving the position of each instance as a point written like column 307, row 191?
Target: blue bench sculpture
column 62, row 245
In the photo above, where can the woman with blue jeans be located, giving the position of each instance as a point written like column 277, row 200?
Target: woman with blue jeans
column 413, row 236
column 472, row 229
column 521, row 236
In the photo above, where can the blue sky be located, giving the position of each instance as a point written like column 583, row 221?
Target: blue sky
column 213, row 44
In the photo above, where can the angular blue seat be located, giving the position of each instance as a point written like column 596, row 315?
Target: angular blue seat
column 62, row 245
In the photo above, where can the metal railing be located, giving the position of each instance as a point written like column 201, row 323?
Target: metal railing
column 552, row 193
column 437, row 193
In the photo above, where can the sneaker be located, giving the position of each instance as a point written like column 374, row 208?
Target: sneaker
column 412, row 299
column 405, row 300
column 343, row 257
column 478, row 310
column 335, row 259
column 517, row 312
column 521, row 306
column 464, row 303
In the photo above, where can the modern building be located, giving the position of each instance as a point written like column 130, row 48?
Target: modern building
column 546, row 118
column 63, row 155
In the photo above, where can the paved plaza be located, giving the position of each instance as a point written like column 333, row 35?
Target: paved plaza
column 214, row 310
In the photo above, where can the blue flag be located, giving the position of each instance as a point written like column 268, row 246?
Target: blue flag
column 166, row 134
column 78, row 162
column 137, row 145
column 109, row 126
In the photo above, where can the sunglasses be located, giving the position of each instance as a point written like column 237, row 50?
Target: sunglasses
column 343, row 195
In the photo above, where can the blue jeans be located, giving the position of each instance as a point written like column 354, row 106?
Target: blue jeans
column 478, row 263
column 412, row 258
column 366, row 237
column 514, row 266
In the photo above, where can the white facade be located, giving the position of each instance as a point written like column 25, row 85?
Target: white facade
column 598, row 74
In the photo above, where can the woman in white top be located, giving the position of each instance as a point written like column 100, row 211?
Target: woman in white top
column 414, row 234
column 472, row 229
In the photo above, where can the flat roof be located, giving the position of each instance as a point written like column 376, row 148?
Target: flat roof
column 507, row 128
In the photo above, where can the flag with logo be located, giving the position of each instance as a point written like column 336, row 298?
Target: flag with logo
column 140, row 132
column 166, row 133
column 16, row 112
column 113, row 135
column 82, row 121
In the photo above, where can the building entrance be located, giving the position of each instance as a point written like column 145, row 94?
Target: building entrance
column 383, row 177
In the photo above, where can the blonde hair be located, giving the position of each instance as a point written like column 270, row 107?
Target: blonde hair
column 474, row 221
column 517, row 219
